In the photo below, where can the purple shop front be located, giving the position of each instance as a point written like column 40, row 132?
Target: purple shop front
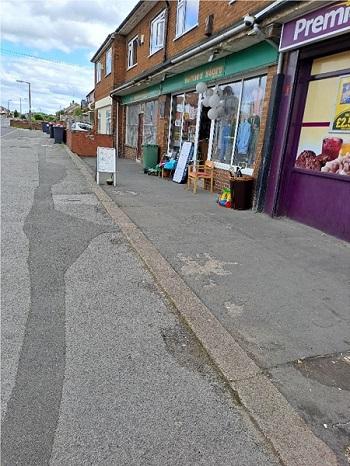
column 309, row 179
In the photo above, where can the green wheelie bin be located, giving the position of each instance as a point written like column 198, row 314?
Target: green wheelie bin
column 150, row 156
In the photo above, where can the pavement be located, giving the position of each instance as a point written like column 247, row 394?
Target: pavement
column 97, row 366
column 279, row 288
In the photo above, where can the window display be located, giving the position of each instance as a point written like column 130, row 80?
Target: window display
column 132, row 123
column 225, row 127
column 249, row 121
column 183, row 120
column 150, row 122
column 324, row 141
column 236, row 132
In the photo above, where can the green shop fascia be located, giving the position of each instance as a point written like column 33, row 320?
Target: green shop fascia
column 232, row 68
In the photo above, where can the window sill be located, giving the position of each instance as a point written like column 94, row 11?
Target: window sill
column 156, row 51
column 185, row 32
column 108, row 74
column 226, row 166
column 131, row 67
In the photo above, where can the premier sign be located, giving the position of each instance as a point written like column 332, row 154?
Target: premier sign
column 325, row 22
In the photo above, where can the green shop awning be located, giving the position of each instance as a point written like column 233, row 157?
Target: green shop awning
column 255, row 57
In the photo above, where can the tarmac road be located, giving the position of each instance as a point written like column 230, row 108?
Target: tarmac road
column 96, row 367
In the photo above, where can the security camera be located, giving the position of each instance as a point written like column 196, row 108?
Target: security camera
column 249, row 20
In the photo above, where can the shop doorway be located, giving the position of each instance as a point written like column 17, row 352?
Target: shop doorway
column 139, row 137
column 204, row 135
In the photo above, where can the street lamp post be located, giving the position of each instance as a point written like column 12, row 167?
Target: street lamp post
column 8, row 105
column 29, row 100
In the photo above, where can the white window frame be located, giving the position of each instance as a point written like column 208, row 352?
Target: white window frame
column 99, row 120
column 181, row 10
column 155, row 23
column 109, row 121
column 98, row 72
column 108, row 62
column 131, row 63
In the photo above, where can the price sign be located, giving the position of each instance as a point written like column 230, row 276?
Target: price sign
column 341, row 121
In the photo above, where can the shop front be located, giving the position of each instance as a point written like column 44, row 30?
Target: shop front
column 310, row 174
column 234, row 138
column 141, row 121
column 231, row 140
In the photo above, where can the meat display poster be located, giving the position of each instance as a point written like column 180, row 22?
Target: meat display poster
column 324, row 143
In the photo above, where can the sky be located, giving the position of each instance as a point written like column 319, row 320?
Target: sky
column 49, row 44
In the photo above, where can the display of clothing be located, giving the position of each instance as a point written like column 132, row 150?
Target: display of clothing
column 225, row 142
column 243, row 137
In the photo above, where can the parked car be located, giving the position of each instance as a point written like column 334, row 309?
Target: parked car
column 81, row 126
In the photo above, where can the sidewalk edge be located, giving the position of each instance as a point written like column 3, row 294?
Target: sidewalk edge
column 290, row 437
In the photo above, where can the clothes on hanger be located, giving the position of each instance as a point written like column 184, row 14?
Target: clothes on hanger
column 243, row 137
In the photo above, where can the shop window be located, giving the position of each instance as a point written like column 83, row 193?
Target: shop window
column 157, row 33
column 132, row 123
column 108, row 122
column 183, row 120
column 150, row 122
column 249, row 122
column 225, row 127
column 187, row 16
column 324, row 141
column 236, row 132
column 108, row 61
column 98, row 72
column 132, row 52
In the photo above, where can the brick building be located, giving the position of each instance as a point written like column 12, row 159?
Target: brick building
column 163, row 50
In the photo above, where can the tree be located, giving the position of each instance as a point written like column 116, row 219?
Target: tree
column 15, row 114
column 77, row 112
column 38, row 116
column 23, row 117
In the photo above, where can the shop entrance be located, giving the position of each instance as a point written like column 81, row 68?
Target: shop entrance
column 204, row 135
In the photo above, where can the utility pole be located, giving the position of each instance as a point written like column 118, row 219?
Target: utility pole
column 8, row 105
column 20, row 107
column 30, row 101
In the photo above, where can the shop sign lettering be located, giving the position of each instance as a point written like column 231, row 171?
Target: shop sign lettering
column 325, row 22
column 205, row 75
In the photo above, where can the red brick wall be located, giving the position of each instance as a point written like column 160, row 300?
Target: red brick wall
column 25, row 124
column 225, row 15
column 104, row 87
column 144, row 61
column 85, row 144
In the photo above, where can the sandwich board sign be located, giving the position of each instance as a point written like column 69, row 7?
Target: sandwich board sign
column 106, row 163
column 182, row 164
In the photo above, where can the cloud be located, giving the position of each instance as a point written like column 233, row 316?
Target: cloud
column 65, row 25
column 53, row 85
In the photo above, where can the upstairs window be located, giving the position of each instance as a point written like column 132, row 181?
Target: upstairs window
column 108, row 61
column 132, row 52
column 157, row 33
column 187, row 16
column 98, row 72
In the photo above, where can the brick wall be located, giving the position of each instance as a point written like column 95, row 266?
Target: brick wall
column 24, row 124
column 85, row 143
column 224, row 17
column 144, row 60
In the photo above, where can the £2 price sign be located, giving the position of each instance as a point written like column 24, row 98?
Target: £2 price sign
column 341, row 120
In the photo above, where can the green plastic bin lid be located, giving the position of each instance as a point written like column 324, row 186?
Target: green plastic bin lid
column 149, row 145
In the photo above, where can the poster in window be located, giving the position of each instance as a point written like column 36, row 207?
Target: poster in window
column 324, row 142
column 341, row 121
